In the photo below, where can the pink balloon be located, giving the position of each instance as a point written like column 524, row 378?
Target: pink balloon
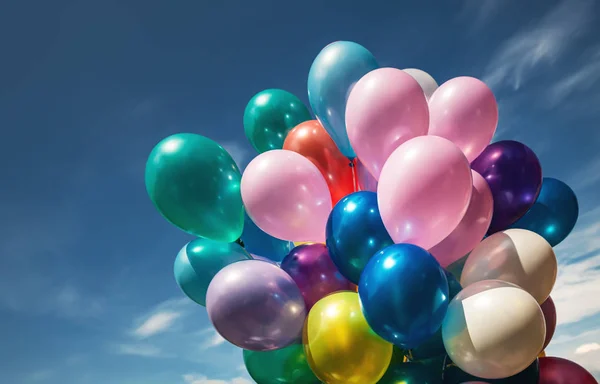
column 424, row 191
column 464, row 111
column 386, row 108
column 472, row 227
column 286, row 196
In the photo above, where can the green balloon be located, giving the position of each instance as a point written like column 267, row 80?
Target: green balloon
column 282, row 366
column 270, row 115
column 425, row 372
column 200, row 260
column 195, row 184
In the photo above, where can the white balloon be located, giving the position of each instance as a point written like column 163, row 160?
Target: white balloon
column 493, row 329
column 427, row 83
column 518, row 256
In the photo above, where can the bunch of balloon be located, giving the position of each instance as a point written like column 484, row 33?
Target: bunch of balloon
column 383, row 240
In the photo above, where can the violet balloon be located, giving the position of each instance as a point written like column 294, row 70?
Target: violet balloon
column 514, row 174
column 366, row 181
column 555, row 370
column 256, row 306
column 314, row 272
column 472, row 227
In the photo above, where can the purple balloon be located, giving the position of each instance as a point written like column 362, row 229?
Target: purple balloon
column 366, row 181
column 514, row 175
column 256, row 306
column 314, row 272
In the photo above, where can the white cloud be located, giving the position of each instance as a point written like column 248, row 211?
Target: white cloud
column 587, row 348
column 193, row 378
column 582, row 79
column 159, row 322
column 212, row 339
column 542, row 43
column 144, row 350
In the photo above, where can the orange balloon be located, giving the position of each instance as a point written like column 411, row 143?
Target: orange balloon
column 542, row 354
column 311, row 140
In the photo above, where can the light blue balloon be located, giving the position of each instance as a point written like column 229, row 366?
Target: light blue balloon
column 257, row 242
column 332, row 75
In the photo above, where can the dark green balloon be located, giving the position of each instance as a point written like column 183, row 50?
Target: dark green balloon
column 200, row 260
column 282, row 366
column 422, row 372
column 195, row 184
column 270, row 115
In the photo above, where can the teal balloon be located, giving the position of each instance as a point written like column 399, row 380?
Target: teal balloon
column 195, row 184
column 200, row 260
column 425, row 372
column 281, row 366
column 270, row 115
column 434, row 346
column 554, row 213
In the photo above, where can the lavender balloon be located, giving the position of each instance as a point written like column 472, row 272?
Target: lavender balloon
column 256, row 306
column 314, row 272
column 366, row 181
column 514, row 175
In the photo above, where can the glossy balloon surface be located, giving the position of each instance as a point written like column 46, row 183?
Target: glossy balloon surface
column 281, row 366
column 556, row 370
column 258, row 242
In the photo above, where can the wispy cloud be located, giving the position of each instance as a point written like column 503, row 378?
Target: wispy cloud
column 193, row 378
column 587, row 348
column 161, row 318
column 580, row 80
column 211, row 339
column 540, row 44
column 478, row 12
column 143, row 350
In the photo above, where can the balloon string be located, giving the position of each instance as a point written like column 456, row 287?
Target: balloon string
column 353, row 164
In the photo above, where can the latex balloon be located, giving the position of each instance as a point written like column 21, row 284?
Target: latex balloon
column 549, row 311
column 514, row 175
column 333, row 73
column 386, row 108
column 355, row 233
column 454, row 375
column 427, row 83
column 517, row 256
column 555, row 370
column 195, row 184
column 554, row 214
column 311, row 140
column 256, row 306
column 424, row 191
column 206, row 258
column 414, row 373
column 297, row 243
column 542, row 354
column 260, row 258
column 270, row 115
column 257, row 242
column 366, row 181
column 340, row 346
column 434, row 346
column 409, row 313
column 286, row 196
column 493, row 329
column 315, row 274
column 464, row 111
column 472, row 227
column 282, row 366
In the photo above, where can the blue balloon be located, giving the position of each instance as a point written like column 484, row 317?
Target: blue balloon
column 259, row 243
column 199, row 261
column 404, row 295
column 434, row 346
column 355, row 233
column 332, row 75
column 554, row 213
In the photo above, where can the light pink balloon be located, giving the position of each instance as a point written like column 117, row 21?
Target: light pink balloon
column 386, row 108
column 472, row 227
column 424, row 191
column 286, row 196
column 464, row 111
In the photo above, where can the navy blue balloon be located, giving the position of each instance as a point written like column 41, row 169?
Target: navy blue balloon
column 404, row 294
column 554, row 213
column 257, row 242
column 355, row 232
column 434, row 346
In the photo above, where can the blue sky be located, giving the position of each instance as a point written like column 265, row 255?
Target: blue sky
column 87, row 88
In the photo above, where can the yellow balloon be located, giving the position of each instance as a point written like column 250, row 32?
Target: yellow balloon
column 542, row 354
column 340, row 346
column 297, row 243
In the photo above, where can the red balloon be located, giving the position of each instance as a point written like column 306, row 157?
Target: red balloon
column 554, row 370
column 550, row 316
column 311, row 140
